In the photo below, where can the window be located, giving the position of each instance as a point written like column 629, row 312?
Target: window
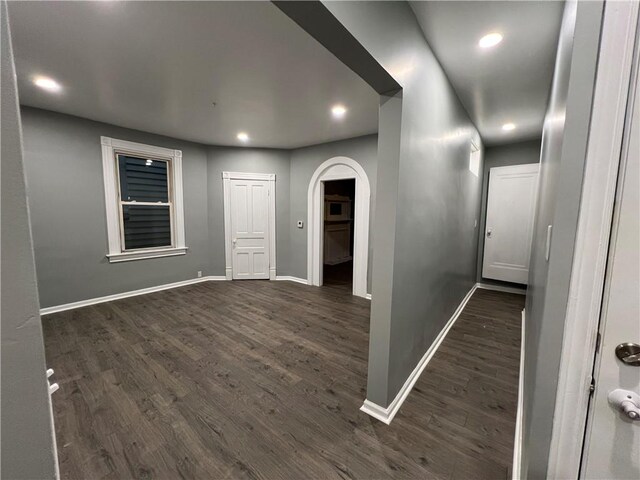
column 143, row 195
column 474, row 159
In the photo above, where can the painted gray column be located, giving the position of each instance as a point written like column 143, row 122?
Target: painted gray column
column 27, row 441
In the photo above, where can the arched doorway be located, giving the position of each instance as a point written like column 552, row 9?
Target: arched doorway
column 339, row 168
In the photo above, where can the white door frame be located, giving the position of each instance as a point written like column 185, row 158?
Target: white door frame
column 489, row 247
column 228, row 246
column 339, row 168
column 592, row 239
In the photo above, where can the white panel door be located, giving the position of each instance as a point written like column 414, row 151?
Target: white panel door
column 612, row 448
column 250, row 229
column 509, row 227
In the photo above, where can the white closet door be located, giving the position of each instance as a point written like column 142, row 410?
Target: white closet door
column 509, row 226
column 250, row 229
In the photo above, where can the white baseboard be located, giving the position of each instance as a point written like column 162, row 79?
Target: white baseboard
column 133, row 293
column 517, row 443
column 500, row 288
column 293, row 279
column 368, row 296
column 385, row 415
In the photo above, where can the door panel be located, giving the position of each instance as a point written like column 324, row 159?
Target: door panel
column 250, row 229
column 510, row 209
column 612, row 448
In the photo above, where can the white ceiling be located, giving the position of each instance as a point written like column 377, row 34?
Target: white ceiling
column 158, row 66
column 507, row 83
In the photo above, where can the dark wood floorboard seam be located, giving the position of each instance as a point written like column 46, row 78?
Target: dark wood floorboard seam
column 264, row 380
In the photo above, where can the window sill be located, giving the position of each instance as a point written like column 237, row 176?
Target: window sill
column 142, row 255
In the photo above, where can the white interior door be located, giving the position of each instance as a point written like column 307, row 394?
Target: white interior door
column 612, row 448
column 250, row 229
column 509, row 227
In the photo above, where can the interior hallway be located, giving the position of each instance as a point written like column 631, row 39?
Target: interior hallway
column 265, row 380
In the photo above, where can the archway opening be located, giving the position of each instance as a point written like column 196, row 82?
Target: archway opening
column 334, row 169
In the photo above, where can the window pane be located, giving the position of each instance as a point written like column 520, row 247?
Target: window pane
column 143, row 180
column 146, row 226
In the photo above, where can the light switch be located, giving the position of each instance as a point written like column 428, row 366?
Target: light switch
column 300, row 224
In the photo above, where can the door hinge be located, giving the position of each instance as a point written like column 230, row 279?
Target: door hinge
column 598, row 338
column 592, row 386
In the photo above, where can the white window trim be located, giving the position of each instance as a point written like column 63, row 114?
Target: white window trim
column 111, row 196
column 228, row 245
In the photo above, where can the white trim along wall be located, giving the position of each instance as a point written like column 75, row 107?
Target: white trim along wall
column 339, row 168
column 228, row 246
column 116, row 251
column 132, row 293
column 517, row 440
column 386, row 414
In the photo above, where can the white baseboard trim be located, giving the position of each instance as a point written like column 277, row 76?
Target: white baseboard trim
column 368, row 296
column 517, row 443
column 500, row 288
column 386, row 415
column 133, row 293
column 293, row 279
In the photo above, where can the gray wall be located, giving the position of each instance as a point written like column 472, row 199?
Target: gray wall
column 63, row 160
column 27, row 437
column 250, row 160
column 501, row 156
column 425, row 190
column 564, row 143
column 304, row 162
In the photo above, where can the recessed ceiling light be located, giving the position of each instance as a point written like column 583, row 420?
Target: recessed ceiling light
column 338, row 111
column 490, row 40
column 508, row 127
column 243, row 136
column 48, row 84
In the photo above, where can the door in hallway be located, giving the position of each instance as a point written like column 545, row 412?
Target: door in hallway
column 612, row 441
column 250, row 229
column 510, row 209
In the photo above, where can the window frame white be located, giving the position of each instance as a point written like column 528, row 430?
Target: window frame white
column 111, row 147
column 475, row 157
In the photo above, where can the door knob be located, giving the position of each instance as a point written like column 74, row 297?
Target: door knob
column 627, row 402
column 629, row 354
column 489, row 233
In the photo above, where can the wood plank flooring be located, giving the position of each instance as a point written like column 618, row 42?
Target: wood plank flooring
column 264, row 380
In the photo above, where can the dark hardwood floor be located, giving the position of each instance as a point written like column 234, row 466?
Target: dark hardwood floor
column 264, row 380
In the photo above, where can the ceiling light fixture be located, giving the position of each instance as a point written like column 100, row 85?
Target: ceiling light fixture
column 507, row 127
column 490, row 40
column 243, row 136
column 338, row 111
column 48, row 84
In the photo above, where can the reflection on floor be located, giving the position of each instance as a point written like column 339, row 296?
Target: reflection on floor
column 264, row 380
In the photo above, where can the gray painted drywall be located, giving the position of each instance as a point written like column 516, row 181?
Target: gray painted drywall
column 519, row 153
column 304, row 162
column 63, row 161
column 564, row 143
column 248, row 160
column 433, row 204
column 27, row 437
